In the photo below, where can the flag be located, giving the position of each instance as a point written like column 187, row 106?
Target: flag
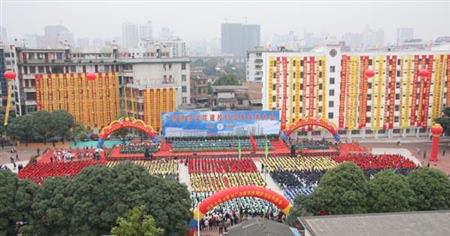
column 253, row 142
column 266, row 149
column 239, row 149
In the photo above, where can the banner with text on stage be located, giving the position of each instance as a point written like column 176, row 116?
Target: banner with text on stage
column 200, row 123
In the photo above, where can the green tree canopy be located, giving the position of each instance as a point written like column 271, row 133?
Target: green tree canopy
column 342, row 190
column 15, row 201
column 226, row 80
column 445, row 120
column 91, row 202
column 431, row 188
column 136, row 223
column 41, row 126
column 389, row 192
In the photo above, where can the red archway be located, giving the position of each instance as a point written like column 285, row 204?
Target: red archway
column 126, row 122
column 312, row 122
column 241, row 191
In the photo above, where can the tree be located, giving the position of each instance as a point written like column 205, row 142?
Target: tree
column 342, row 190
column 389, row 192
column 21, row 128
column 51, row 210
column 63, row 123
column 431, row 188
column 302, row 207
column 136, row 224
column 43, row 125
column 227, row 80
column 91, row 202
column 444, row 121
column 8, row 216
column 15, row 201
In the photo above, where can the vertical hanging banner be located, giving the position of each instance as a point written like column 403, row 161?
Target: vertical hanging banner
column 270, row 84
column 363, row 89
column 311, row 87
column 427, row 90
column 380, row 90
column 305, row 83
column 413, row 120
column 393, row 87
column 284, row 98
column 343, row 86
column 277, row 81
column 421, row 91
column 406, row 114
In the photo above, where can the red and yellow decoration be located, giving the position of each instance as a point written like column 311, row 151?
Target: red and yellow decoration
column 309, row 123
column 93, row 101
column 241, row 191
column 9, row 76
column 436, row 131
column 126, row 122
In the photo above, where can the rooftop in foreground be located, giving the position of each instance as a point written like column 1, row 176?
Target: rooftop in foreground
column 419, row 223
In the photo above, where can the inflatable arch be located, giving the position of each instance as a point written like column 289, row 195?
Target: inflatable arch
column 125, row 122
column 313, row 122
column 240, row 191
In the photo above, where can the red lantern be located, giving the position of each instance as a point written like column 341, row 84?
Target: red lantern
column 424, row 73
column 38, row 76
column 437, row 130
column 10, row 75
column 91, row 76
column 369, row 73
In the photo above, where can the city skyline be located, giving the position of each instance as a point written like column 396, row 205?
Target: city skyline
column 433, row 21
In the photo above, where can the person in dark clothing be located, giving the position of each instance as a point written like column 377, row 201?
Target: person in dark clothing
column 12, row 159
column 17, row 157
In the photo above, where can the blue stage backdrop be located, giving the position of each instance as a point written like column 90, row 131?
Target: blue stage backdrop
column 201, row 123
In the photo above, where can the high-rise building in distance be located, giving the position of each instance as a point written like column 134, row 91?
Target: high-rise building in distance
column 404, row 34
column 130, row 35
column 238, row 38
column 146, row 31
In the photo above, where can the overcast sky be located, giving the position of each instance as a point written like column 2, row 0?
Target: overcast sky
column 200, row 19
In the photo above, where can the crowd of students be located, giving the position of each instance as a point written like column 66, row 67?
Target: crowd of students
column 298, row 163
column 213, row 182
column 369, row 161
column 162, row 167
column 138, row 147
column 221, row 165
column 234, row 211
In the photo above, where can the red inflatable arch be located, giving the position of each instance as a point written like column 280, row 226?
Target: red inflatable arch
column 311, row 122
column 126, row 122
column 241, row 191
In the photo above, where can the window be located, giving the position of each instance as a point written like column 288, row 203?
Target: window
column 41, row 69
column 183, row 66
column 332, row 68
column 274, row 86
column 367, row 119
column 301, row 86
column 293, row 98
column 293, row 63
column 397, row 96
column 274, row 98
column 331, row 80
column 184, row 100
column 396, row 119
column 369, row 85
column 293, row 86
column 183, row 78
column 369, row 97
column 320, row 98
column 331, row 104
column 397, row 107
column 320, row 86
column 183, row 89
column 330, row 115
column 368, row 108
column 331, row 92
